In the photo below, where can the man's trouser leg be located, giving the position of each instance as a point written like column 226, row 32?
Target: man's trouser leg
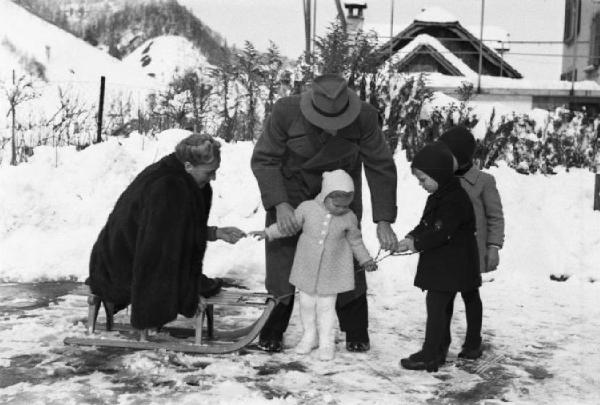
column 354, row 318
column 353, row 311
column 279, row 260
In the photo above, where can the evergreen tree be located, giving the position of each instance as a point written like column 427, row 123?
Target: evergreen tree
column 333, row 50
column 272, row 76
column 251, row 77
column 224, row 76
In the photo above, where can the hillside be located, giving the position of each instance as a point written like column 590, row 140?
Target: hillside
column 119, row 26
column 167, row 56
column 62, row 67
column 28, row 43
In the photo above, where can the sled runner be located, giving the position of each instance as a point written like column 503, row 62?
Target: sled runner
column 190, row 340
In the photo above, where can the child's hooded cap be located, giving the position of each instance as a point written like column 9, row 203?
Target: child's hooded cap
column 435, row 160
column 337, row 180
column 461, row 143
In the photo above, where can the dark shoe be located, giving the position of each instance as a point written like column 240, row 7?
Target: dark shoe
column 209, row 286
column 419, row 363
column 470, row 353
column 270, row 345
column 358, row 347
column 418, row 356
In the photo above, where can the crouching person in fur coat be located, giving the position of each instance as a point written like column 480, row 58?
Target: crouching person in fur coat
column 149, row 253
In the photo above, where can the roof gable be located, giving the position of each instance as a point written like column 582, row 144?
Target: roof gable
column 426, row 54
column 425, row 49
column 456, row 39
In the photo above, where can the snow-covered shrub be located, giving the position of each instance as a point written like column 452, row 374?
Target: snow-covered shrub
column 566, row 138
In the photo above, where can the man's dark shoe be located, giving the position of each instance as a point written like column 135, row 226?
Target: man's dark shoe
column 270, row 345
column 417, row 361
column 209, row 286
column 358, row 347
column 443, row 355
column 470, row 353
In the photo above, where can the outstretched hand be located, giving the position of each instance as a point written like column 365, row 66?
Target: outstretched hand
column 230, row 234
column 260, row 235
column 406, row 244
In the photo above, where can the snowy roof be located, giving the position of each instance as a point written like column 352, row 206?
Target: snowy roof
column 450, row 27
column 436, row 14
column 493, row 36
column 424, row 39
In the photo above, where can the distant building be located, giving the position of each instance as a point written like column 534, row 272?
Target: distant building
column 581, row 41
column 438, row 44
column 456, row 42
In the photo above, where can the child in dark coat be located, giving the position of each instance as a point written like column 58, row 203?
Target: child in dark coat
column 445, row 240
column 489, row 219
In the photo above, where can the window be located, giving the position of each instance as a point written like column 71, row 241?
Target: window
column 572, row 20
column 595, row 41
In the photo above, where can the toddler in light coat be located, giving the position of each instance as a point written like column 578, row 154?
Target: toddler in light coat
column 323, row 265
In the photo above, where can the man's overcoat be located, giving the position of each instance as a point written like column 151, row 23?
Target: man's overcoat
column 289, row 159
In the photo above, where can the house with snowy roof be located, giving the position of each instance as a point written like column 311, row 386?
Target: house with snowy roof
column 438, row 44
column 436, row 40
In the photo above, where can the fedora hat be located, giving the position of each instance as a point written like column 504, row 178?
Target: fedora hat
column 330, row 104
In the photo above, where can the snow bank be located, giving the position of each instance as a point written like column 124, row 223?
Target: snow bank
column 55, row 205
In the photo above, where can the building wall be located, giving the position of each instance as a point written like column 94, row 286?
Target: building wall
column 576, row 54
column 502, row 103
column 516, row 103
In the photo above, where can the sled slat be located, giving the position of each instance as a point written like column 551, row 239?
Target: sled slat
column 182, row 347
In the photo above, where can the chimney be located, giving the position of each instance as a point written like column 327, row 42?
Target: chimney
column 354, row 17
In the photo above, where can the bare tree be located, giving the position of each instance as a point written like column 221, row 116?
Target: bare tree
column 19, row 91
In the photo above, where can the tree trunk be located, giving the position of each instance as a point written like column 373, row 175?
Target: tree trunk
column 13, row 159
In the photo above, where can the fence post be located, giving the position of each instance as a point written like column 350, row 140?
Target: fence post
column 597, row 189
column 100, row 110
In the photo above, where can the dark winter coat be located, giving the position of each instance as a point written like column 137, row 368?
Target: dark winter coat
column 445, row 239
column 289, row 160
column 149, row 254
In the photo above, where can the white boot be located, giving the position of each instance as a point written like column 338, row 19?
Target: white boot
column 326, row 322
column 308, row 307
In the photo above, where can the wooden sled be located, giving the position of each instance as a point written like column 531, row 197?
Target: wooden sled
column 206, row 341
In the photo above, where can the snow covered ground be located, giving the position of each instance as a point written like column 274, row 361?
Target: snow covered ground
column 540, row 335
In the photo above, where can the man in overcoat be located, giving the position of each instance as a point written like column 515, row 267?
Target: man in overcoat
column 325, row 128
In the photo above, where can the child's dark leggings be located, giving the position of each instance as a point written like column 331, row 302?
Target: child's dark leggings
column 439, row 313
column 440, row 306
column 473, row 313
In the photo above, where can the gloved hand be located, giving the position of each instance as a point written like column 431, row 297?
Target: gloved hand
column 369, row 266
